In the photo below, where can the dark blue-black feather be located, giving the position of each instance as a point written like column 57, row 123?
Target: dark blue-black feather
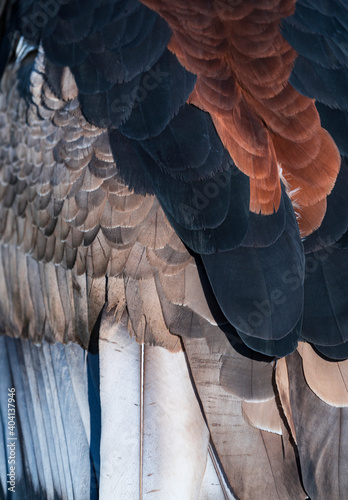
column 325, row 320
column 279, row 348
column 261, row 292
column 335, row 222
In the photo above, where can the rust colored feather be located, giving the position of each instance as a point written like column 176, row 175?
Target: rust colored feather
column 310, row 217
column 243, row 65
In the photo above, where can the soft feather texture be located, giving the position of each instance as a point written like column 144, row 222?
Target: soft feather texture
column 318, row 444
column 264, row 274
column 335, row 222
column 161, row 432
column 54, row 455
column 325, row 318
column 87, row 221
column 124, row 216
column 329, row 381
column 261, row 118
column 319, row 34
column 244, row 451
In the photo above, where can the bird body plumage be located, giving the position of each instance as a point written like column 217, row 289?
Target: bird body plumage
column 173, row 199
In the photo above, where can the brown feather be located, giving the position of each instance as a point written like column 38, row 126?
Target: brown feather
column 327, row 379
column 264, row 416
column 322, row 431
column 253, row 460
column 309, row 218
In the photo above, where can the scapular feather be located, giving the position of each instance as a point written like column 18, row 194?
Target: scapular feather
column 337, row 352
column 279, row 347
column 259, row 300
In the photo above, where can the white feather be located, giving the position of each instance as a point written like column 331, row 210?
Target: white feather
column 170, row 446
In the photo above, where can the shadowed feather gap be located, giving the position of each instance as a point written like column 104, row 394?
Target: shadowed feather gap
column 215, row 464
